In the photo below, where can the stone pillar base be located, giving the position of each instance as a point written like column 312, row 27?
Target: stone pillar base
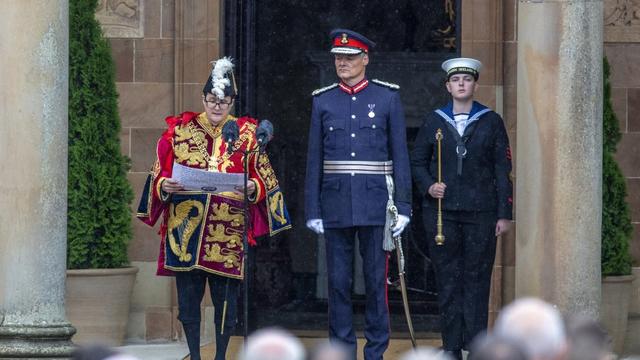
column 36, row 342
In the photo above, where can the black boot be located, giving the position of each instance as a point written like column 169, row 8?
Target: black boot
column 454, row 354
column 192, row 333
column 222, row 341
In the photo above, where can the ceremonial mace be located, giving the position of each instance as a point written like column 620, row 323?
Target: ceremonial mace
column 439, row 235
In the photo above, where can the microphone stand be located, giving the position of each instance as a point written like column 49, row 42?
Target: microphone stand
column 245, row 241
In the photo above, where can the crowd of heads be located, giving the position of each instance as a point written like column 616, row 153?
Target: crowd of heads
column 536, row 326
column 532, row 329
column 527, row 329
column 99, row 352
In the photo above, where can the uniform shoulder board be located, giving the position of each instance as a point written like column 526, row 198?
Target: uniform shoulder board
column 321, row 90
column 386, row 84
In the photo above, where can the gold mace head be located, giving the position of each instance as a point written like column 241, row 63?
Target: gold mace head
column 439, row 134
column 439, row 239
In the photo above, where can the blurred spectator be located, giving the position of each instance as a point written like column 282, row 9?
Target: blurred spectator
column 494, row 347
column 425, row 353
column 99, row 352
column 330, row 351
column 273, row 344
column 536, row 325
column 587, row 340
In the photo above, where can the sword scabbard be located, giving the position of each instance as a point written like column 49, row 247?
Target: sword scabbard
column 403, row 289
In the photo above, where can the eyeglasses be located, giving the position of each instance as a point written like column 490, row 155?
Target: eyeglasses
column 223, row 105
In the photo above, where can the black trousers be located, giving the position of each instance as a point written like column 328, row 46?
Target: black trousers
column 463, row 267
column 340, row 247
column 190, row 286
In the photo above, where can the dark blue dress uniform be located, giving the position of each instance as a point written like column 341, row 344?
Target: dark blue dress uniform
column 360, row 123
column 478, row 192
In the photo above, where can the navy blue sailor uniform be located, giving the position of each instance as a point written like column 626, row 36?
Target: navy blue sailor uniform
column 357, row 136
column 476, row 169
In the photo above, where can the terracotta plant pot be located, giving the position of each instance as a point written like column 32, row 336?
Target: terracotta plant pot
column 97, row 303
column 632, row 342
column 616, row 291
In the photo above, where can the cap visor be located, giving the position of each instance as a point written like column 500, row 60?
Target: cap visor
column 345, row 50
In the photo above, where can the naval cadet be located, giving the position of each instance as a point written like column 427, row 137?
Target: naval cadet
column 475, row 195
column 357, row 166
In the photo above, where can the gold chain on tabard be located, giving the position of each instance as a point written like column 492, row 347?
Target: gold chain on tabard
column 212, row 165
column 202, row 147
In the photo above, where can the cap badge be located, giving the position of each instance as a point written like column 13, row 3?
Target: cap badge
column 371, row 108
column 344, row 39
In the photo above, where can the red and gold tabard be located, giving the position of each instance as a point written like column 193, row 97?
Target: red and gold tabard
column 201, row 230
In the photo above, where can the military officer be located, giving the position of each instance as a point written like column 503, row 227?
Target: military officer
column 476, row 201
column 357, row 165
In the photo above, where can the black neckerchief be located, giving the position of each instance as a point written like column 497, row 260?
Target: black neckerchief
column 461, row 149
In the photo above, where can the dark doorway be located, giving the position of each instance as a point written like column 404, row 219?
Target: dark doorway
column 282, row 52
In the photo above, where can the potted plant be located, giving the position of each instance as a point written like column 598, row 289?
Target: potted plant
column 616, row 229
column 99, row 280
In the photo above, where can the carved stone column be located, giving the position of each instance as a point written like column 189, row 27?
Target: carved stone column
column 33, row 188
column 559, row 159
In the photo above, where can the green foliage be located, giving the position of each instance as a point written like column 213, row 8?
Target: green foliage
column 99, row 218
column 616, row 219
column 610, row 128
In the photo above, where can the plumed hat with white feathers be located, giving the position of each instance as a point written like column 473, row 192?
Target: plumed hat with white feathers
column 221, row 82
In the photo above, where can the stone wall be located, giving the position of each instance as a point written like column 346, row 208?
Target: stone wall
column 622, row 48
column 162, row 50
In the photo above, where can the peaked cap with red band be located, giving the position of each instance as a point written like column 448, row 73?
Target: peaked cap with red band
column 349, row 42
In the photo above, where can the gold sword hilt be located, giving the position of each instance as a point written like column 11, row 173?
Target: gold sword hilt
column 439, row 236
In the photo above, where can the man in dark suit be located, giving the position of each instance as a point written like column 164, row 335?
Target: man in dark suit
column 476, row 200
column 357, row 166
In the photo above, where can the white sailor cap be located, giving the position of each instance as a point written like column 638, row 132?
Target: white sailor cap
column 462, row 66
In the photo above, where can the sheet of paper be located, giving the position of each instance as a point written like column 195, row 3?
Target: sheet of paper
column 207, row 181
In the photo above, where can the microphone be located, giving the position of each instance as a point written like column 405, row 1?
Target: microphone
column 230, row 133
column 264, row 133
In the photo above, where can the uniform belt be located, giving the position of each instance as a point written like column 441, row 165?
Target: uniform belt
column 358, row 167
